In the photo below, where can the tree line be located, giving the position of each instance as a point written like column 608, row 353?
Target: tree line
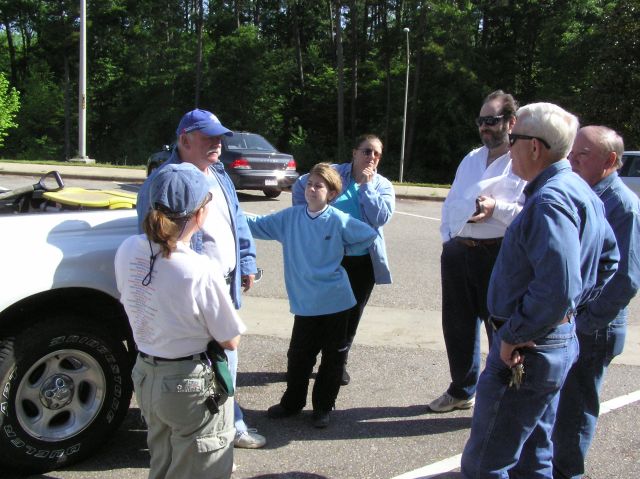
column 310, row 75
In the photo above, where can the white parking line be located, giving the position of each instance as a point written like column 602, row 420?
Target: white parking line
column 453, row 462
column 416, row 216
column 619, row 402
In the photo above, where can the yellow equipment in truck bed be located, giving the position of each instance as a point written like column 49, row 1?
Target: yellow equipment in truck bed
column 82, row 198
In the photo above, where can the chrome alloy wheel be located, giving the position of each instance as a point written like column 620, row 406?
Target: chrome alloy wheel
column 60, row 395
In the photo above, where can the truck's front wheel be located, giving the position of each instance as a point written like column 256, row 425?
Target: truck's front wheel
column 64, row 386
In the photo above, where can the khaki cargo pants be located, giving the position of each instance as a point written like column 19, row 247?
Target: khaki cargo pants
column 185, row 440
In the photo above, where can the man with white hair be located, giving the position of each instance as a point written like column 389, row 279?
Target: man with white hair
column 601, row 324
column 556, row 255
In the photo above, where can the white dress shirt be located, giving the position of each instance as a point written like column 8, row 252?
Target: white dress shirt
column 473, row 179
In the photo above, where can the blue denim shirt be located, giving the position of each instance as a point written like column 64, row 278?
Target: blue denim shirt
column 556, row 255
column 245, row 245
column 377, row 200
column 622, row 208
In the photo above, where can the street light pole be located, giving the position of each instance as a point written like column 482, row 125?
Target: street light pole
column 82, row 87
column 404, row 118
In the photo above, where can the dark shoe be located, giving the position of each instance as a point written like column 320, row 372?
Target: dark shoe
column 321, row 419
column 277, row 411
column 346, row 379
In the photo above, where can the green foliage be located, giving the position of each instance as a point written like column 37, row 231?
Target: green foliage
column 9, row 105
column 271, row 67
column 41, row 117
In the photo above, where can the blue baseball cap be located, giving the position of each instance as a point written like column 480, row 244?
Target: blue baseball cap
column 178, row 190
column 204, row 121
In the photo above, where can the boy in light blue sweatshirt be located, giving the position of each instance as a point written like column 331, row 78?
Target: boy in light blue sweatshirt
column 314, row 240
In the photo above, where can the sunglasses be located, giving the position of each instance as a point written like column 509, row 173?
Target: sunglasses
column 370, row 152
column 489, row 120
column 513, row 137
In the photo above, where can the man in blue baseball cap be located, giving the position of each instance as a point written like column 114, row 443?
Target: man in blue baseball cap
column 225, row 236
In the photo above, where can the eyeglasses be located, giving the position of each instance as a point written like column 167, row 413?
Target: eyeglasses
column 489, row 120
column 513, row 137
column 370, row 152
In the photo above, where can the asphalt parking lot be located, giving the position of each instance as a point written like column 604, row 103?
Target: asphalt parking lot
column 381, row 428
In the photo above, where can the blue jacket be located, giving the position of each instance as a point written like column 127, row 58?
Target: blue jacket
column 313, row 249
column 377, row 203
column 556, row 256
column 622, row 208
column 245, row 246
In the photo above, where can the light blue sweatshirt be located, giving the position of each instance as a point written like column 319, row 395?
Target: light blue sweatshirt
column 313, row 249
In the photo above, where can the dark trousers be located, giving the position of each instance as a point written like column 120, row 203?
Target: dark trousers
column 360, row 272
column 310, row 336
column 465, row 272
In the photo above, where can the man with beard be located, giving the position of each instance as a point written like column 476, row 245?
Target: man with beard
column 484, row 199
column 225, row 235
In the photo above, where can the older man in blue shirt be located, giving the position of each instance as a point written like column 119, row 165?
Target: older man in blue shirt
column 556, row 255
column 601, row 324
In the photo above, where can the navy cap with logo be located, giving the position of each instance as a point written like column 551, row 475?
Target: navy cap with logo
column 178, row 190
column 203, row 121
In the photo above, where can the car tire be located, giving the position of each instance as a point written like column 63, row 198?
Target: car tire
column 65, row 385
column 272, row 192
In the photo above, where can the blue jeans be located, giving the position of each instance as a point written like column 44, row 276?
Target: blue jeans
column 511, row 428
column 232, row 357
column 465, row 273
column 579, row 405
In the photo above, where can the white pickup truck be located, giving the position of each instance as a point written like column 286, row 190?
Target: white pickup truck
column 66, row 349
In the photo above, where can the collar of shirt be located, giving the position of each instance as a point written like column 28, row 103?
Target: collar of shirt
column 544, row 175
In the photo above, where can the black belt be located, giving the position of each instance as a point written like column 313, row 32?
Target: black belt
column 472, row 242
column 193, row 357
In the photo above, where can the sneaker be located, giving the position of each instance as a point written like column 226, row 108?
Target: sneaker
column 233, row 468
column 346, row 379
column 321, row 419
column 277, row 411
column 249, row 439
column 447, row 402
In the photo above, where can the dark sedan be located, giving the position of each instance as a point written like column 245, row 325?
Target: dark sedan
column 251, row 162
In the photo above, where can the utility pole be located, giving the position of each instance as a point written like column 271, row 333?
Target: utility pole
column 404, row 118
column 82, row 87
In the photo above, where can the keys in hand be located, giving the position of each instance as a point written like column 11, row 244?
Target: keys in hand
column 517, row 375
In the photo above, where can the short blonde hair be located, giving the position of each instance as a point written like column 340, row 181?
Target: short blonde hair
column 330, row 176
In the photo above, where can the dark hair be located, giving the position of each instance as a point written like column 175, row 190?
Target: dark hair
column 366, row 137
column 509, row 104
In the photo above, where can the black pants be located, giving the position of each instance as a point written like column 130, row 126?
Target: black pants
column 310, row 336
column 360, row 272
column 465, row 273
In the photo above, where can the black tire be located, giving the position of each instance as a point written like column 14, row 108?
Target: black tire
column 67, row 386
column 272, row 192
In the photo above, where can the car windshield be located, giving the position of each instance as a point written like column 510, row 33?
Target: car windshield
column 247, row 141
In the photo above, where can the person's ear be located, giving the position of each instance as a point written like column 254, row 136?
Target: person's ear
column 511, row 123
column 331, row 195
column 611, row 160
column 200, row 216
